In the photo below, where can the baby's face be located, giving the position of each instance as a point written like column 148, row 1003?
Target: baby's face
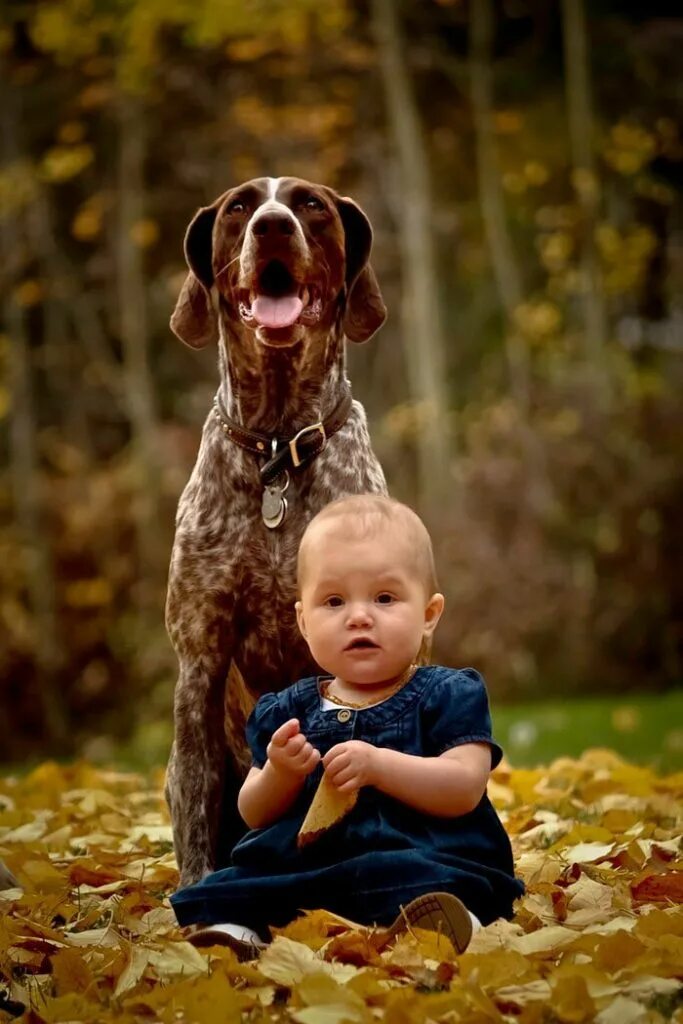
column 363, row 609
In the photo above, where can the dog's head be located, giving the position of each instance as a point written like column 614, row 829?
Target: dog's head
column 282, row 259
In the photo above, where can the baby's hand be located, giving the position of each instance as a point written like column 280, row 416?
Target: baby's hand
column 290, row 751
column 351, row 765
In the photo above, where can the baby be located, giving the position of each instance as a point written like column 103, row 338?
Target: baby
column 423, row 845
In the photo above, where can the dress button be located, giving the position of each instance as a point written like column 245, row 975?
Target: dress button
column 343, row 715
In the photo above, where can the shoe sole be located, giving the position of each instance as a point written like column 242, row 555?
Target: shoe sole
column 436, row 912
column 212, row 937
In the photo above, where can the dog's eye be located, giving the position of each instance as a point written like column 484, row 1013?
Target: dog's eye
column 237, row 206
column 313, row 204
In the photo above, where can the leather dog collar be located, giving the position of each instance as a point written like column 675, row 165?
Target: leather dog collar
column 285, row 454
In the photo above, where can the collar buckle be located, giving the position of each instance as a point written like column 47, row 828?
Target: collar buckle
column 293, row 450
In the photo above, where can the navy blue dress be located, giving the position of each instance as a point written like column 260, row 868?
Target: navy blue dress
column 382, row 854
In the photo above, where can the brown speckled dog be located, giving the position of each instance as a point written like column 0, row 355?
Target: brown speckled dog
column 278, row 276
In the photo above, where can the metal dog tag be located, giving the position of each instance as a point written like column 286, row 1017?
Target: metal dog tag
column 274, row 503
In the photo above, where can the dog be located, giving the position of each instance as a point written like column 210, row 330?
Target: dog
column 278, row 276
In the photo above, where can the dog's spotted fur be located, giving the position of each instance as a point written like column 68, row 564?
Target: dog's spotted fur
column 230, row 608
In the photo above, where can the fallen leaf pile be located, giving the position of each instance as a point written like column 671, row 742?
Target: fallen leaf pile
column 598, row 937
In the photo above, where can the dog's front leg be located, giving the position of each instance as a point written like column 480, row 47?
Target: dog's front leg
column 194, row 782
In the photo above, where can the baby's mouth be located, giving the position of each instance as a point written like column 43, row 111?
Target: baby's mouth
column 361, row 643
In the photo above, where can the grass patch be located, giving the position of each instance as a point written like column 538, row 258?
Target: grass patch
column 643, row 728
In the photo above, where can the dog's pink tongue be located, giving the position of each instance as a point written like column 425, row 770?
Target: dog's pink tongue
column 281, row 312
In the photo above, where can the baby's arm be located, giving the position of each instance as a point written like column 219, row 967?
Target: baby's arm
column 446, row 786
column 268, row 792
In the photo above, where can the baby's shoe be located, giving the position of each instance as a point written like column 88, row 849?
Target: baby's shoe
column 247, row 944
column 437, row 912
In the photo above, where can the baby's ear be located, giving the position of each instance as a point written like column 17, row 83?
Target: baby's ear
column 299, row 609
column 433, row 613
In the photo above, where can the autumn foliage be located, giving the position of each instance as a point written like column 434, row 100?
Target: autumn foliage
column 599, row 935
column 508, row 194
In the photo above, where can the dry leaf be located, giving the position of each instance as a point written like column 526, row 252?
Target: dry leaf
column 666, row 888
column 288, row 962
column 328, row 807
column 135, row 968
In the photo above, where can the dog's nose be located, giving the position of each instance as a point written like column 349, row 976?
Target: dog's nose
column 273, row 224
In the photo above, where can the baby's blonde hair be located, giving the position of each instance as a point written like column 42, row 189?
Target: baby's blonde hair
column 368, row 513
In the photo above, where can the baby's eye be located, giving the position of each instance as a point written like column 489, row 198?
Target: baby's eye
column 385, row 598
column 334, row 602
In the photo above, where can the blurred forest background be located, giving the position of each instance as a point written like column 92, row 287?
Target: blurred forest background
column 521, row 163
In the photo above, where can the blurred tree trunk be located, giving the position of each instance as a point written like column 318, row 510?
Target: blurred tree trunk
column 508, row 278
column 65, row 364
column 584, row 175
column 422, row 328
column 134, row 331
column 30, row 518
column 505, row 270
column 25, row 469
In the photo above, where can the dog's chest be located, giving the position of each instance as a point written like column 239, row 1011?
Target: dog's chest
column 268, row 647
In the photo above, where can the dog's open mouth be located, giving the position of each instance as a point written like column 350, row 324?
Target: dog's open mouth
column 277, row 301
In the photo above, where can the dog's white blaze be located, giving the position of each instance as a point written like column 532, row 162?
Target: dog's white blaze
column 270, row 205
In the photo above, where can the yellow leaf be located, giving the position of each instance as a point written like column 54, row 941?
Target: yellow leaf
column 327, row 808
column 42, row 875
column 661, row 922
column 587, row 853
column 496, row 969
column 138, row 959
column 104, row 937
column 71, row 131
column 545, row 940
column 72, row 1006
column 178, row 958
column 515, row 997
column 615, row 952
column 198, row 1000
column 319, row 988
column 28, row 833
column 315, row 927
column 145, row 233
column 571, row 1001
column 288, row 962
column 332, row 1013
column 433, row 946
column 64, row 162
column 589, row 902
column 70, row 972
column 619, row 820
column 88, row 222
column 29, row 293
column 536, row 173
column 92, row 593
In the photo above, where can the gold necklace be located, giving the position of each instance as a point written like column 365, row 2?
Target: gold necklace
column 404, row 678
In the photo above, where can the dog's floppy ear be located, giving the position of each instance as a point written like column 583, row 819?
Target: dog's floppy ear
column 194, row 320
column 365, row 309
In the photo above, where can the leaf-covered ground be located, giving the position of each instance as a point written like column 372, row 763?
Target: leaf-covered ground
column 599, row 935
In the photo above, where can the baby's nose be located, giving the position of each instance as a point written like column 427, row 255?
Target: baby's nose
column 359, row 613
